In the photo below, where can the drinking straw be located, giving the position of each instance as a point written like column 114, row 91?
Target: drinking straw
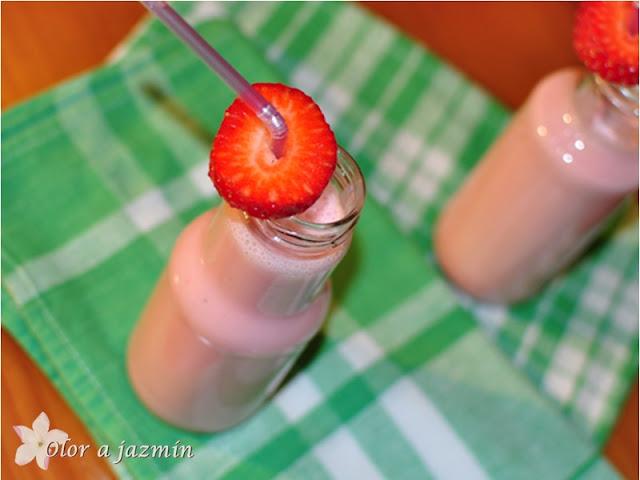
column 266, row 112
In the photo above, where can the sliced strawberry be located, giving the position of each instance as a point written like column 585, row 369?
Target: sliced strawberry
column 606, row 40
column 248, row 175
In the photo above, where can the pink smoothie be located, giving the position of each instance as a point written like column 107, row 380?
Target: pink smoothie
column 538, row 196
column 229, row 316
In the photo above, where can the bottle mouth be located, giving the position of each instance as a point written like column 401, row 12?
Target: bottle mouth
column 347, row 191
column 623, row 97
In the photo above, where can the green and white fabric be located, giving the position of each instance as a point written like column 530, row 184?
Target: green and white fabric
column 417, row 127
column 100, row 175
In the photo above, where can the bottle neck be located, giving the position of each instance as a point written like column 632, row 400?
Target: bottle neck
column 280, row 266
column 609, row 110
column 325, row 225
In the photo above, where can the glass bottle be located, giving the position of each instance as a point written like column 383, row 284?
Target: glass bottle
column 542, row 192
column 238, row 301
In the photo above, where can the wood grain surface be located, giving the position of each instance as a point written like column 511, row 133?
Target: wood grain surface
column 506, row 47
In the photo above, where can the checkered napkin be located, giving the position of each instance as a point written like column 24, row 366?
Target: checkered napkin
column 99, row 176
column 417, row 127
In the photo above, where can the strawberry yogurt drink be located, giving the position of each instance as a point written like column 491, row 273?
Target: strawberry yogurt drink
column 564, row 164
column 247, row 286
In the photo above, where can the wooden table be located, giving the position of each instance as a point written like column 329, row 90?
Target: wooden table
column 507, row 47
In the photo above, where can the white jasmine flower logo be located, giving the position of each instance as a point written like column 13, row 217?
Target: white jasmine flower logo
column 35, row 443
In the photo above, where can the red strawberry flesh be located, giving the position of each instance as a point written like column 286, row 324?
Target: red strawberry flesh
column 605, row 38
column 246, row 172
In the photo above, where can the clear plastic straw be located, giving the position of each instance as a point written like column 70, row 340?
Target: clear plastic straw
column 266, row 112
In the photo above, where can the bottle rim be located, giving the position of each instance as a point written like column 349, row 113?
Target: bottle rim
column 301, row 232
column 623, row 97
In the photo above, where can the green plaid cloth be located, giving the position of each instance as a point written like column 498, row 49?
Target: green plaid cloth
column 100, row 175
column 417, row 127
